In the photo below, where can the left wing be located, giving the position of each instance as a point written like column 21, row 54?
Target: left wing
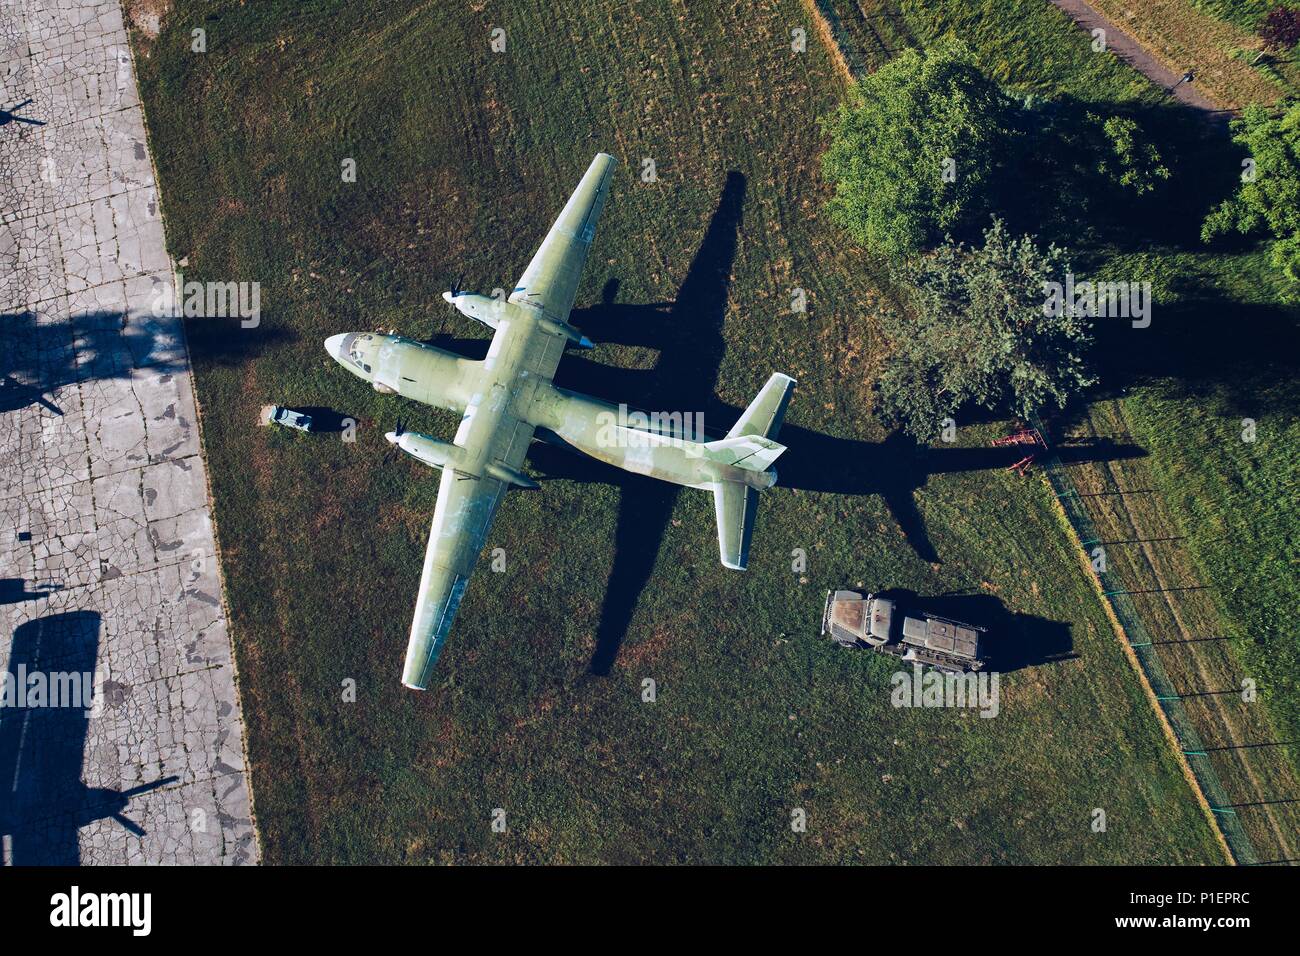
column 551, row 279
column 461, row 521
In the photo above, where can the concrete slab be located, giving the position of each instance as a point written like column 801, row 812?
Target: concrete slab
column 108, row 569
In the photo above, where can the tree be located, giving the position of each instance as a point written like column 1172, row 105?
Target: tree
column 915, row 151
column 1268, row 199
column 980, row 332
column 1280, row 30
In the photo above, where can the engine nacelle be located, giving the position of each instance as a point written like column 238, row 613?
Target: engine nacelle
column 480, row 308
column 442, row 454
column 432, row 451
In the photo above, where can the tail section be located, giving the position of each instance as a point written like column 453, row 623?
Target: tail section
column 751, row 444
column 735, row 506
column 766, row 412
column 750, row 452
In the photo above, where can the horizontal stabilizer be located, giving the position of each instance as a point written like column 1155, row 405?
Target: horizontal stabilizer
column 735, row 506
column 750, row 452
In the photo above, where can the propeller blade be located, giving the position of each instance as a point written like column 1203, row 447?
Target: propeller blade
column 129, row 824
column 18, row 106
column 23, row 119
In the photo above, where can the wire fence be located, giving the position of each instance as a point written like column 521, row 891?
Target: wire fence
column 1145, row 650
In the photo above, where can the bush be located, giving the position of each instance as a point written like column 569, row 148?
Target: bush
column 1280, row 30
column 1128, row 159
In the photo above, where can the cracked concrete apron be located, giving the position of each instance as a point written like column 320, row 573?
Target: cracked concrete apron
column 108, row 573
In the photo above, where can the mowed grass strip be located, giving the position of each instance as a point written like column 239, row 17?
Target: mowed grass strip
column 1147, row 554
column 463, row 157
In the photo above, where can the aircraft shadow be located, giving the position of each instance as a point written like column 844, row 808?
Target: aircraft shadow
column 43, row 802
column 687, row 335
column 688, row 367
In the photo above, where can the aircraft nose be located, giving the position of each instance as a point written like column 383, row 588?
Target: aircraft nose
column 334, row 345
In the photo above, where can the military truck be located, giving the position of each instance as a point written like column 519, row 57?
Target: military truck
column 857, row 619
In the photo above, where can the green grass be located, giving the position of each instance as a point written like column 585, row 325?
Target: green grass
column 464, row 157
column 1234, row 498
column 1244, row 13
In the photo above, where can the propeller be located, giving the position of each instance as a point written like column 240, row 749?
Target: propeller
column 7, row 115
column 455, row 286
column 391, row 455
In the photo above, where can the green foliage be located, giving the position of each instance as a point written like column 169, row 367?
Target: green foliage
column 979, row 333
column 1268, row 201
column 889, row 146
column 1131, row 160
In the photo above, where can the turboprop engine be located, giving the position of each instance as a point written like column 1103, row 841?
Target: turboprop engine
column 443, row 454
column 480, row 308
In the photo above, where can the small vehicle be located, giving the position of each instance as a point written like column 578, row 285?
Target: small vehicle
column 855, row 619
column 279, row 415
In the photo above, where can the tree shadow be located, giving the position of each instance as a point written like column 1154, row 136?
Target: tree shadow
column 1014, row 641
column 1055, row 190
column 43, row 802
column 41, row 354
column 1234, row 358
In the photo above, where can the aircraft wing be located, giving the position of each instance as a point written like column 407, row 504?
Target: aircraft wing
column 461, row 521
column 551, row 279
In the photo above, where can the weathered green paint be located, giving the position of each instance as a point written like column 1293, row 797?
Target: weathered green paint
column 507, row 396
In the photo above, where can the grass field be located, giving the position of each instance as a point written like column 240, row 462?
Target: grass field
column 463, row 158
column 1215, row 38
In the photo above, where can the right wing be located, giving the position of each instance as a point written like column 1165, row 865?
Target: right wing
column 461, row 520
column 551, row 279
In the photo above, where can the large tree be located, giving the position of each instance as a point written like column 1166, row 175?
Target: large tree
column 915, row 151
column 980, row 332
column 1268, row 199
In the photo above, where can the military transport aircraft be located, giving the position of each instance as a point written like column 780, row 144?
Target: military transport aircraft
column 508, row 397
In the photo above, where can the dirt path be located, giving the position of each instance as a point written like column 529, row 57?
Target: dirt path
column 1131, row 52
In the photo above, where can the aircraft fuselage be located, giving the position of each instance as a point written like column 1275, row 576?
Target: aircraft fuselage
column 499, row 387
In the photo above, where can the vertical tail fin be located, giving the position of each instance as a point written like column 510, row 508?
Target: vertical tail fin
column 766, row 412
column 735, row 504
